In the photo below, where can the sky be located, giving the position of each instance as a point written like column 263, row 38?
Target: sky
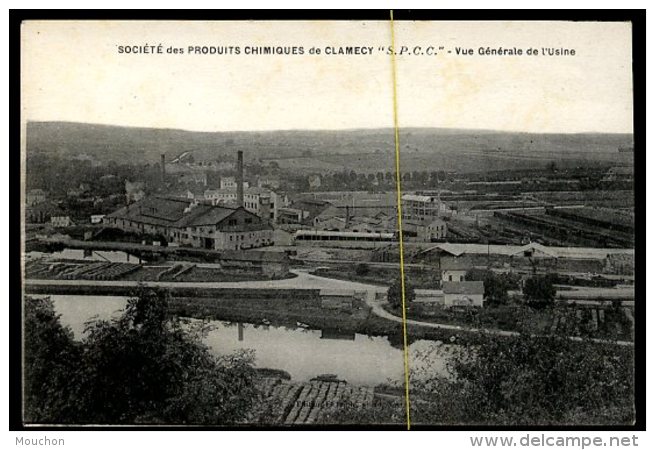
column 73, row 71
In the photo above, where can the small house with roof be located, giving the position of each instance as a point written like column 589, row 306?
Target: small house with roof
column 454, row 269
column 463, row 294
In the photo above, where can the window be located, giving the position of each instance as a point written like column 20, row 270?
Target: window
column 450, row 278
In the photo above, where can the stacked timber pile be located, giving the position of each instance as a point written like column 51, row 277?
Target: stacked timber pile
column 173, row 272
column 33, row 269
column 97, row 271
column 288, row 403
column 594, row 321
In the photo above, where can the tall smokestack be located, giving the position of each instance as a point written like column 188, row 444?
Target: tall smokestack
column 240, row 178
column 163, row 168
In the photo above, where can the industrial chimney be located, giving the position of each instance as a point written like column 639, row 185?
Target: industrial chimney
column 239, row 179
column 163, row 168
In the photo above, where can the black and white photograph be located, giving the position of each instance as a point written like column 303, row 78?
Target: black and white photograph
column 311, row 224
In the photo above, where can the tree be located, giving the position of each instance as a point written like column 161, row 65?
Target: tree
column 523, row 380
column 539, row 292
column 394, row 294
column 531, row 380
column 51, row 358
column 362, row 269
column 495, row 286
column 144, row 367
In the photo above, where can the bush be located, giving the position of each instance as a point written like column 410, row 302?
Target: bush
column 495, row 286
column 525, row 380
column 51, row 357
column 140, row 368
column 539, row 292
column 362, row 269
column 538, row 380
column 394, row 294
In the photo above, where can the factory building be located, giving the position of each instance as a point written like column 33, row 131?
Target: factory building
column 424, row 208
column 188, row 222
column 193, row 224
column 231, row 183
column 263, row 202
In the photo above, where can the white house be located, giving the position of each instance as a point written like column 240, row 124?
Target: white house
column 263, row 202
column 463, row 293
column 437, row 229
column 454, row 269
column 61, row 221
column 231, row 183
column 97, row 218
column 34, row 197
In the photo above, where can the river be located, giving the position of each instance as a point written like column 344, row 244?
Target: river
column 304, row 354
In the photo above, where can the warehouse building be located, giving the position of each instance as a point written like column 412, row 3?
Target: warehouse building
column 263, row 202
column 194, row 224
column 425, row 208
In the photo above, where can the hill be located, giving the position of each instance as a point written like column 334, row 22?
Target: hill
column 309, row 150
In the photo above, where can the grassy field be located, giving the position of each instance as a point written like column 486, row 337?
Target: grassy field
column 571, row 320
column 309, row 151
column 379, row 276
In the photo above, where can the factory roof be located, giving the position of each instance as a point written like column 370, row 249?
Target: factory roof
column 253, row 190
column 534, row 249
column 463, row 287
column 460, row 263
column 417, row 198
column 352, row 234
column 173, row 212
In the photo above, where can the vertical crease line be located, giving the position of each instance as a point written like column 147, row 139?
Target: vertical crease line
column 400, row 220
